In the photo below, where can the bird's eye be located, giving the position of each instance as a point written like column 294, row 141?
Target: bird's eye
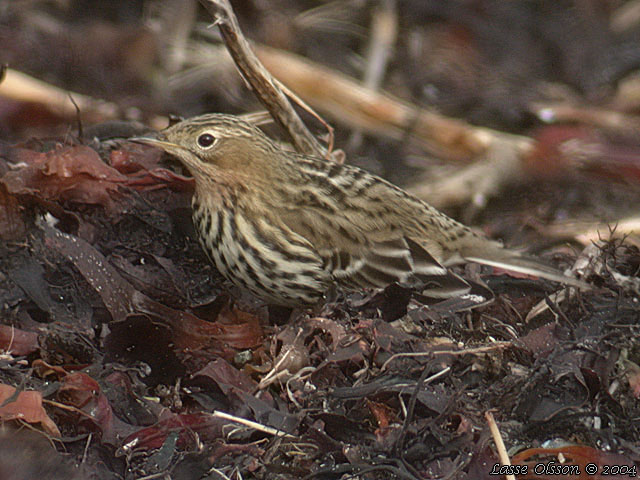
column 206, row 140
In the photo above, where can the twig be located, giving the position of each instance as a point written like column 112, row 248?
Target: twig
column 381, row 113
column 250, row 424
column 384, row 31
column 86, row 449
column 599, row 117
column 13, row 334
column 20, row 87
column 625, row 17
column 467, row 351
column 501, row 164
column 503, row 456
column 219, row 472
column 263, row 84
column 588, row 232
column 177, row 20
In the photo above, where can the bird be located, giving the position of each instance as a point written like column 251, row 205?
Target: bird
column 289, row 227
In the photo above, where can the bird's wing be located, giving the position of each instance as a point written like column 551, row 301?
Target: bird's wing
column 356, row 223
column 368, row 255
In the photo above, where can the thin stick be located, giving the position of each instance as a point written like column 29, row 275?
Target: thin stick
column 381, row 112
column 503, row 456
column 250, row 424
column 384, row 31
column 467, row 351
column 21, row 87
column 599, row 117
column 263, row 84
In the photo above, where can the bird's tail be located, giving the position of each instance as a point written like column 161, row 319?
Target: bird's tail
column 496, row 256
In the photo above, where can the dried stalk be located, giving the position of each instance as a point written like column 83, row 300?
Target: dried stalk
column 23, row 88
column 381, row 113
column 384, row 32
column 261, row 81
column 17, row 86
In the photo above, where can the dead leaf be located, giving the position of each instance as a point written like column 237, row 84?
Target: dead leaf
column 26, row 406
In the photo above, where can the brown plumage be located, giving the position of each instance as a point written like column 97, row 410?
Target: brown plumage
column 288, row 227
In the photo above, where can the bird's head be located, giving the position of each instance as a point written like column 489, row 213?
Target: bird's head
column 217, row 147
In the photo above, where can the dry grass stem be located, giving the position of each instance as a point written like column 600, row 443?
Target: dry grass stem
column 381, row 113
column 254, row 425
column 20, row 87
column 598, row 117
column 590, row 232
column 497, row 438
column 466, row 351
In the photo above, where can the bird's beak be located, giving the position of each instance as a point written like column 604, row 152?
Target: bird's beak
column 159, row 141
